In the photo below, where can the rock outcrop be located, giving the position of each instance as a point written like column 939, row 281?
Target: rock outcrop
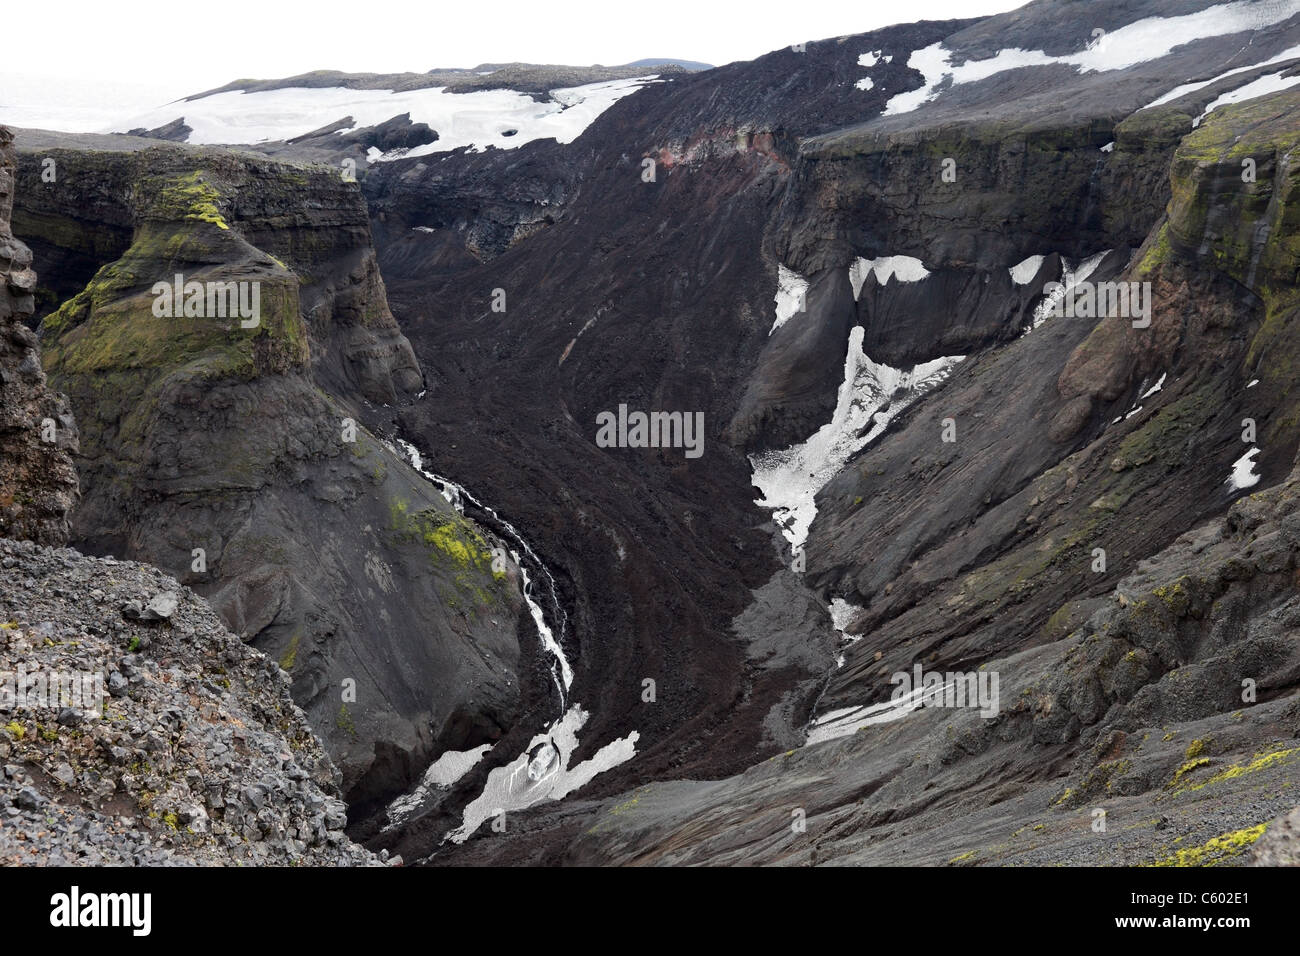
column 38, row 436
column 1280, row 845
column 148, row 738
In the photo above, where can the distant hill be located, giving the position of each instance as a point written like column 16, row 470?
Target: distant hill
column 692, row 65
column 535, row 78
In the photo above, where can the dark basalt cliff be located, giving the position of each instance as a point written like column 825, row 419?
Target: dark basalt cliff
column 318, row 543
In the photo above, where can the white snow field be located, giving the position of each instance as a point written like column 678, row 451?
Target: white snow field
column 73, row 104
column 477, row 119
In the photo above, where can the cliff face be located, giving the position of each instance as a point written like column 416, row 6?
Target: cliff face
column 101, row 205
column 38, row 435
column 1083, row 450
column 1159, row 688
column 230, row 447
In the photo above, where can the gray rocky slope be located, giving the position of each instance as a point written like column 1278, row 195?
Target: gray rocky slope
column 195, row 754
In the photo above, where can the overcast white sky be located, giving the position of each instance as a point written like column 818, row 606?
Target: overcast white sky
column 103, row 54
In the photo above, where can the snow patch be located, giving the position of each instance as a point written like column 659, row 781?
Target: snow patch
column 842, row 614
column 849, row 720
column 867, row 60
column 1072, row 273
column 1243, row 472
column 1109, row 147
column 791, row 293
column 517, row 786
column 1024, row 272
column 1181, row 91
column 902, row 268
column 442, row 773
column 870, row 396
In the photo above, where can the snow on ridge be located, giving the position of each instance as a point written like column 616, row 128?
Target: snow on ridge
column 475, row 119
column 1270, row 83
column 791, row 291
column 1138, row 42
column 870, row 397
column 1178, row 92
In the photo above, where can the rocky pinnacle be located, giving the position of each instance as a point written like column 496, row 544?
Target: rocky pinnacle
column 38, row 437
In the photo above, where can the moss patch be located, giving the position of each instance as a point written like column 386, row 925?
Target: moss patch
column 1261, row 761
column 189, row 197
column 290, row 656
column 1217, row 850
